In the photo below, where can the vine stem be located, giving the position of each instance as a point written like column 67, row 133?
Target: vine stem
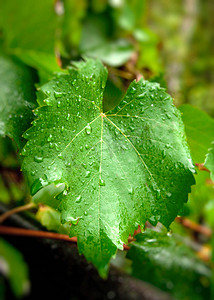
column 15, row 210
column 194, row 226
column 7, row 230
column 201, row 167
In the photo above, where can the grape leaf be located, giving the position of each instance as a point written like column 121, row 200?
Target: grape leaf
column 209, row 161
column 14, row 268
column 199, row 127
column 170, row 265
column 17, row 98
column 95, row 43
column 29, row 28
column 121, row 167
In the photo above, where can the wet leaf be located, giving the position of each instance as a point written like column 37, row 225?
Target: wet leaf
column 17, row 98
column 169, row 264
column 121, row 167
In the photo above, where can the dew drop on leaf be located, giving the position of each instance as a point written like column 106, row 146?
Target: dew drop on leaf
column 87, row 174
column 102, row 182
column 88, row 129
column 78, row 199
column 158, row 194
column 38, row 159
column 73, row 221
column 57, row 95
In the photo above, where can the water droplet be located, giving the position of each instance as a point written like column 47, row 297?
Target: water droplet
column 73, row 221
column 87, row 174
column 58, row 104
column 50, row 138
column 85, row 213
column 68, row 164
column 60, row 156
column 62, row 128
column 102, row 182
column 68, row 117
column 158, row 194
column 81, row 148
column 38, row 159
column 133, row 90
column 164, row 153
column 131, row 190
column 33, row 173
column 141, row 96
column 88, row 129
column 78, row 199
column 57, row 95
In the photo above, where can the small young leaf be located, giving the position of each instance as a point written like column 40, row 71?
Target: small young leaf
column 17, row 98
column 121, row 167
column 170, row 265
column 209, row 161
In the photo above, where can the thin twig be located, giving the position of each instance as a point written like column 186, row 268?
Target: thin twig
column 15, row 210
column 194, row 226
column 201, row 167
column 7, row 230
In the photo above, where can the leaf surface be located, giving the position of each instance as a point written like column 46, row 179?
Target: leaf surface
column 199, row 127
column 17, row 98
column 169, row 264
column 121, row 167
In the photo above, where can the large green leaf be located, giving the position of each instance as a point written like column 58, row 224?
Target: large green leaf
column 170, row 265
column 17, row 98
column 121, row 168
column 209, row 161
column 199, row 127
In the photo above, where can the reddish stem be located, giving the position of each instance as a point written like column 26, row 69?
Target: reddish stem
column 194, row 226
column 201, row 167
column 6, row 230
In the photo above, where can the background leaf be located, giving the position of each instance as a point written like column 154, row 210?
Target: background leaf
column 199, row 127
column 17, row 98
column 170, row 265
column 14, row 268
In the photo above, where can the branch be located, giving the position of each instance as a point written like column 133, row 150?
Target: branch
column 15, row 210
column 194, row 226
column 7, row 230
column 201, row 167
